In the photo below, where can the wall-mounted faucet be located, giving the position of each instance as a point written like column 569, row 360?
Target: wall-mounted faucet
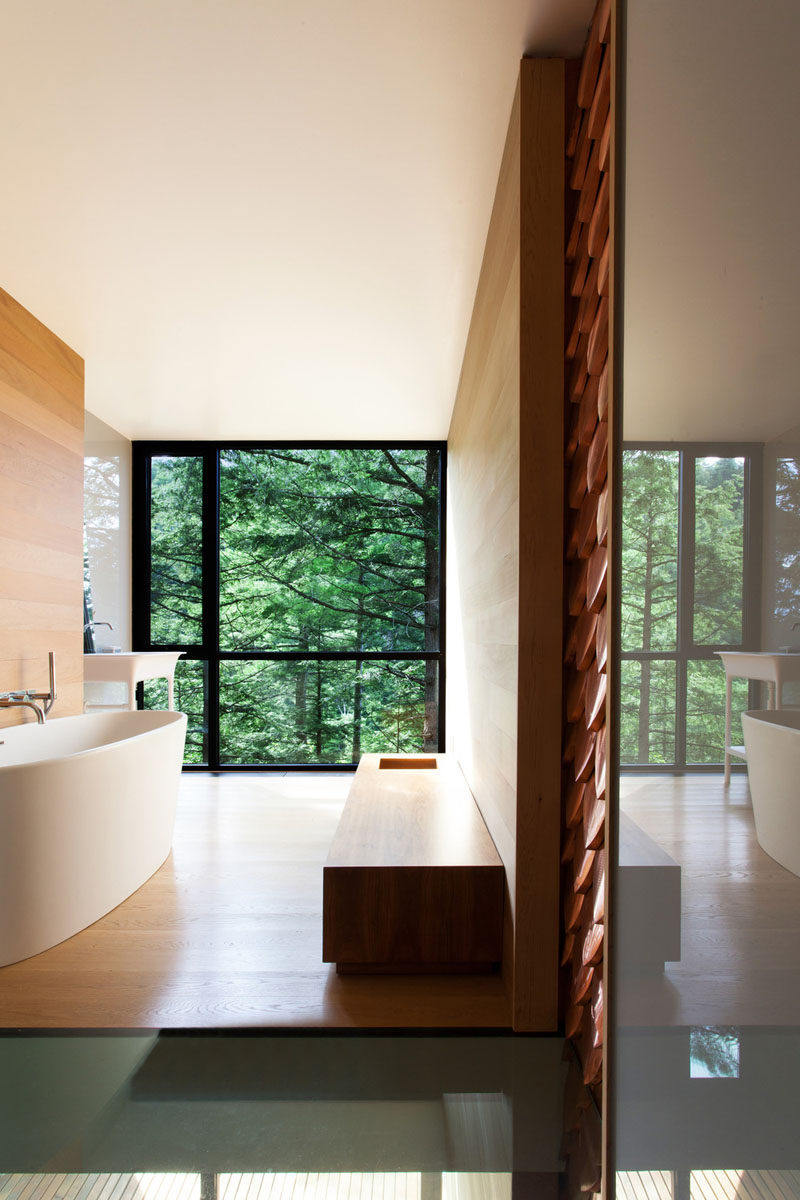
column 39, row 702
column 94, row 624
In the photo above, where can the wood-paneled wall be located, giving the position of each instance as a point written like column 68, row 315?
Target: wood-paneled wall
column 483, row 536
column 41, row 511
column 505, row 541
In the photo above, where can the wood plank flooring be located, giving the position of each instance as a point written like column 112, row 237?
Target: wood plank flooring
column 228, row 933
column 740, row 962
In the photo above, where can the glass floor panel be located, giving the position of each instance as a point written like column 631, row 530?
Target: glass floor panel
column 236, row 1117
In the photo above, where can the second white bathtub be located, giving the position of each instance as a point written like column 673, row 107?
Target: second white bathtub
column 772, row 743
column 87, row 808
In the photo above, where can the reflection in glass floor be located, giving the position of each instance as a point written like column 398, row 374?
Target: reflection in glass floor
column 395, row 1185
column 708, row 1185
column 279, row 1117
column 707, row 1113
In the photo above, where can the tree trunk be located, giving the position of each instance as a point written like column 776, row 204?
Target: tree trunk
column 430, row 517
column 300, row 695
column 647, row 632
column 319, row 712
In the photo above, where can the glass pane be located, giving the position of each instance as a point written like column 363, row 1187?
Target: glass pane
column 325, row 712
column 176, row 597
column 705, row 711
column 329, row 549
column 719, row 551
column 104, row 546
column 781, row 550
column 787, row 540
column 191, row 690
column 647, row 712
column 650, row 549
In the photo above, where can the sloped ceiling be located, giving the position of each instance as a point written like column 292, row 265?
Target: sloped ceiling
column 712, row 250
column 260, row 218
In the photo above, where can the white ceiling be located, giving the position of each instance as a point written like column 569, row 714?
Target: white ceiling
column 260, row 218
column 712, row 223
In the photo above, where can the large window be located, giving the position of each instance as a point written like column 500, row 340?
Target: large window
column 304, row 585
column 690, row 587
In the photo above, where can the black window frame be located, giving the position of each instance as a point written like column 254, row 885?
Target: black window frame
column 687, row 650
column 208, row 651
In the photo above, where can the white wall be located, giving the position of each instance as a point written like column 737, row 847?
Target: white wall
column 712, row 193
column 107, row 517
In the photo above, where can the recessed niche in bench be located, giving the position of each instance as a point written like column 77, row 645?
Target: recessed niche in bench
column 407, row 763
column 413, row 882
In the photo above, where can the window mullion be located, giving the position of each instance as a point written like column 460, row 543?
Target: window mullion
column 211, row 598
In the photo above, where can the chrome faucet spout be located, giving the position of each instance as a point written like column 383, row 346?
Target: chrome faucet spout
column 20, row 702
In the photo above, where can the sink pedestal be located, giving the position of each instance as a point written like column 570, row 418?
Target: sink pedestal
column 132, row 667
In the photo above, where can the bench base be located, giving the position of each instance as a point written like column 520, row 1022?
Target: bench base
column 413, row 883
column 417, row 968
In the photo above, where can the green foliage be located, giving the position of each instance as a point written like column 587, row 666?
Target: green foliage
column 326, row 549
column 323, row 550
column 176, row 550
column 190, row 698
column 787, row 543
column 651, row 566
column 304, row 712
column 649, row 549
column 658, row 735
column 719, row 551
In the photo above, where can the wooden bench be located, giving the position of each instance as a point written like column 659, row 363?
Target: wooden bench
column 413, row 882
column 648, row 902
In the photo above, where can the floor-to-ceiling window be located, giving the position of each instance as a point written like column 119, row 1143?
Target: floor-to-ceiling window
column 304, row 586
column 690, row 587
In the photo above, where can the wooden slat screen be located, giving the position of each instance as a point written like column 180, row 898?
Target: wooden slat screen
column 586, row 567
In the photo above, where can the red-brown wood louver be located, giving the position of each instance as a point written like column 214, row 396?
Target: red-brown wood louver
column 586, row 568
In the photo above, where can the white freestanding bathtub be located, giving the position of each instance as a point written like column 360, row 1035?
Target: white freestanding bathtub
column 772, row 744
column 87, row 807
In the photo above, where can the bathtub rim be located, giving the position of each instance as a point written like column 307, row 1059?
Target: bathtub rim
column 776, row 717
column 168, row 718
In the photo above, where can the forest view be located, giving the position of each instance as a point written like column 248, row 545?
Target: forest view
column 326, row 632
column 670, row 650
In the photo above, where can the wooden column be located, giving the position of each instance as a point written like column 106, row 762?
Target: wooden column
column 541, row 489
column 505, row 554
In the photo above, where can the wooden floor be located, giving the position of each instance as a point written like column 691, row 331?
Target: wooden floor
column 228, row 933
column 740, row 962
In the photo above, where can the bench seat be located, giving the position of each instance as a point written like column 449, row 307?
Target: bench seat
column 413, row 882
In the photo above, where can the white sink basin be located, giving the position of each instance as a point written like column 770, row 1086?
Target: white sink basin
column 132, row 667
column 771, row 666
